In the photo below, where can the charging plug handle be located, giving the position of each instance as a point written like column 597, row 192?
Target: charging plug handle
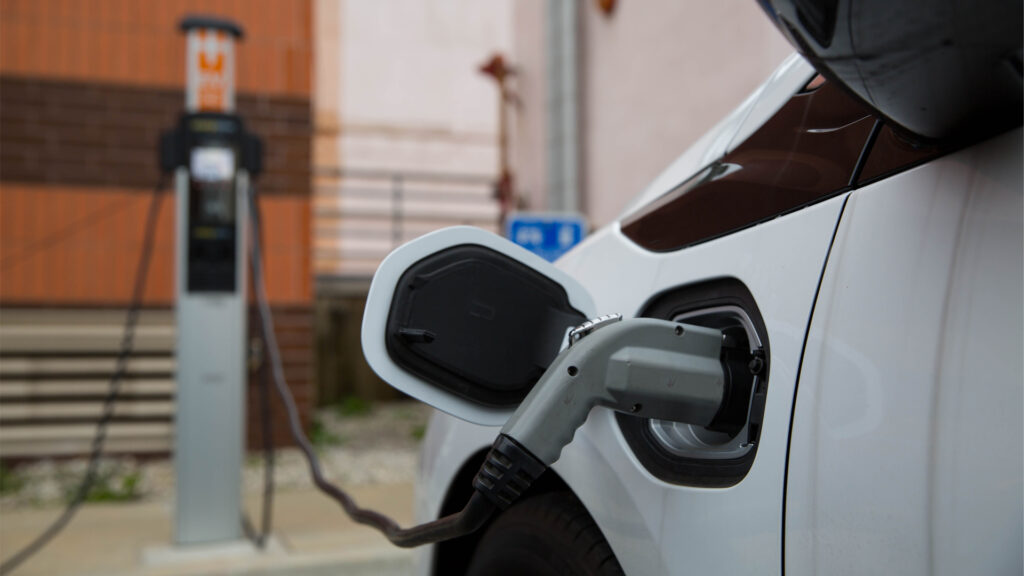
column 644, row 366
column 507, row 472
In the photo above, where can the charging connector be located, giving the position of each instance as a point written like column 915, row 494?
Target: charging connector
column 644, row 366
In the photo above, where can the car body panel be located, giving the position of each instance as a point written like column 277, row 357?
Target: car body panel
column 780, row 262
column 655, row 527
column 781, row 266
column 906, row 435
column 447, row 445
column 633, row 508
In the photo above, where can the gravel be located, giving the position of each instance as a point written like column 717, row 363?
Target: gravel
column 375, row 445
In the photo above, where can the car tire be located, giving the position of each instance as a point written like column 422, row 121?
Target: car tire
column 548, row 534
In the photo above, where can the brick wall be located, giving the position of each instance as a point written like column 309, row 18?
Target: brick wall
column 137, row 42
column 294, row 330
column 85, row 90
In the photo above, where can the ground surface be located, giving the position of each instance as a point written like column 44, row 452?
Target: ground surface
column 126, row 528
column 359, row 444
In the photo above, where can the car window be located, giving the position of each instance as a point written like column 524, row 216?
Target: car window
column 891, row 153
column 804, row 153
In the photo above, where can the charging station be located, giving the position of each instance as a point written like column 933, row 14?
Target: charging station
column 213, row 159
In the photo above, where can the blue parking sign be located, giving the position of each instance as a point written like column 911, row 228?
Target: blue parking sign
column 547, row 235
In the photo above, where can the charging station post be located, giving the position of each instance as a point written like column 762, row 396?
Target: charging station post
column 211, row 184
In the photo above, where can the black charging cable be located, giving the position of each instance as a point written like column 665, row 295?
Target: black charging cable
column 127, row 344
column 476, row 512
column 259, row 539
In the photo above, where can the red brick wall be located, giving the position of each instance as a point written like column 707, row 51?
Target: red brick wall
column 137, row 42
column 75, row 157
column 294, row 330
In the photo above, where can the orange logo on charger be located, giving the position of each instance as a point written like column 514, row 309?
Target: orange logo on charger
column 212, row 89
column 216, row 67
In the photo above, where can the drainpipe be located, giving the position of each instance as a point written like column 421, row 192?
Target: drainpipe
column 497, row 69
column 563, row 175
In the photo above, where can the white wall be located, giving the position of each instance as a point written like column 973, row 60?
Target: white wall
column 529, row 119
column 655, row 75
column 411, row 97
column 397, row 88
column 397, row 91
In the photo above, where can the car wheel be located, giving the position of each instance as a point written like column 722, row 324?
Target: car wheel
column 548, row 534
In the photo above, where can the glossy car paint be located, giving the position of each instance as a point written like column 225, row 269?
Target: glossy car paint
column 448, row 444
column 654, row 527
column 780, row 262
column 658, row 528
column 906, row 451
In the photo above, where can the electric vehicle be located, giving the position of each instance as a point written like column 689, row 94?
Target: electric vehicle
column 863, row 256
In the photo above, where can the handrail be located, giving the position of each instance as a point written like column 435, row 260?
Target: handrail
column 372, row 174
column 395, row 204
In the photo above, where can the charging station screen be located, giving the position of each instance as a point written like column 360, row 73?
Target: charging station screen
column 213, row 169
column 212, row 215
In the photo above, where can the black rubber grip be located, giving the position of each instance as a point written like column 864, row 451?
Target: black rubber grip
column 507, row 472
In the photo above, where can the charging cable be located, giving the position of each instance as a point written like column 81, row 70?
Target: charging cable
column 259, row 539
column 127, row 344
column 657, row 368
column 477, row 511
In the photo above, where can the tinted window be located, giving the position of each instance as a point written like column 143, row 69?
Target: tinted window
column 806, row 152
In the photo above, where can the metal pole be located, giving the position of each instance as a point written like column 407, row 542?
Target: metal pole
column 563, row 106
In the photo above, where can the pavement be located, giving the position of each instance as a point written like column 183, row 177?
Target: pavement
column 312, row 536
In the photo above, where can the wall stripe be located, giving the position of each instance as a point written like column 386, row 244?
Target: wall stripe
column 89, row 134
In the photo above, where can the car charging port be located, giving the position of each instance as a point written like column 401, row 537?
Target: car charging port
column 737, row 358
column 720, row 453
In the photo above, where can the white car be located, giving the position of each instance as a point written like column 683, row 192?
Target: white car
column 872, row 287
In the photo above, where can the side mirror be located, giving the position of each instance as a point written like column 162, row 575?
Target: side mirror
column 467, row 321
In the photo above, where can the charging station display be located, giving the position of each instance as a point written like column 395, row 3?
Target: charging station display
column 212, row 237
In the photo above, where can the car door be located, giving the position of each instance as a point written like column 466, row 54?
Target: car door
column 904, row 455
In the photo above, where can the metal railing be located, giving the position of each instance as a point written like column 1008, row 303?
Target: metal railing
column 359, row 216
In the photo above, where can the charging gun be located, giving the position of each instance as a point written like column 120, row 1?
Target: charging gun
column 641, row 366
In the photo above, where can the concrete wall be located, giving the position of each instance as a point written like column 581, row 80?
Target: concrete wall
column 529, row 124
column 655, row 75
column 405, row 89
column 406, row 127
